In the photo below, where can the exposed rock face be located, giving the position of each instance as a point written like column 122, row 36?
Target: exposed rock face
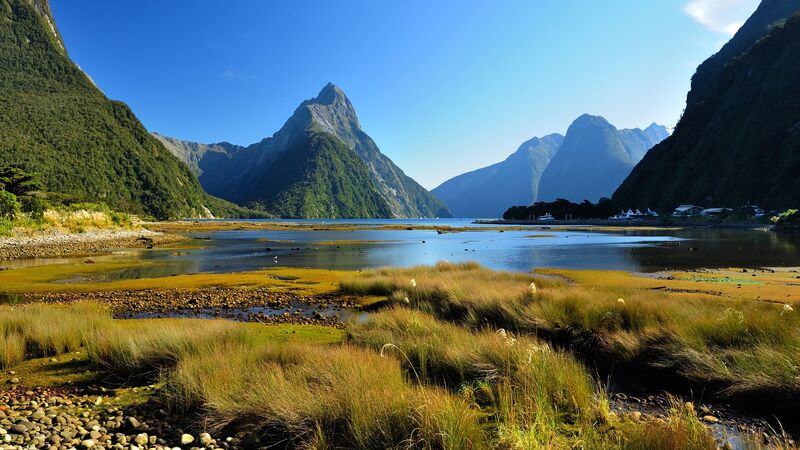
column 739, row 138
column 489, row 191
column 237, row 174
column 193, row 153
column 594, row 159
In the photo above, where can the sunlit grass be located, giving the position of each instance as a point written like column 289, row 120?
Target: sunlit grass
column 741, row 345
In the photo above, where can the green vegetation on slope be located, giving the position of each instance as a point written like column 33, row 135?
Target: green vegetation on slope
column 57, row 123
column 739, row 138
column 317, row 176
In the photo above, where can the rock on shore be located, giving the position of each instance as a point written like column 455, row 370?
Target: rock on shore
column 44, row 245
column 57, row 420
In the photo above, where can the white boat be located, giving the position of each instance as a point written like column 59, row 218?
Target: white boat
column 547, row 217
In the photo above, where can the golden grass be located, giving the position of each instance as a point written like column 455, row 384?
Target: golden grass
column 342, row 397
column 744, row 347
column 526, row 387
column 42, row 330
column 76, row 218
column 39, row 279
column 779, row 286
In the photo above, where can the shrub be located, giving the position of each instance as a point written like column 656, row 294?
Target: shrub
column 32, row 206
column 9, row 206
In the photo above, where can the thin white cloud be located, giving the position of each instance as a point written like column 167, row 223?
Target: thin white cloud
column 722, row 16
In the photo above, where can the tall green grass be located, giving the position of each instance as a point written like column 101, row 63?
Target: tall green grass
column 744, row 348
column 45, row 330
column 402, row 379
column 530, row 392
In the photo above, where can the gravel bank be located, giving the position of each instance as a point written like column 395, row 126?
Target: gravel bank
column 245, row 305
column 78, row 419
column 44, row 245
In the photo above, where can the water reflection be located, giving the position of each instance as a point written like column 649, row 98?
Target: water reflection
column 537, row 247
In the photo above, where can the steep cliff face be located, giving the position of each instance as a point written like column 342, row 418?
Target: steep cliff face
column 487, row 192
column 739, row 138
column 56, row 122
column 594, row 159
column 236, row 174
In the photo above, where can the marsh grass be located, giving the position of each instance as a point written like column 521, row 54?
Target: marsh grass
column 43, row 330
column 528, row 391
column 463, row 292
column 120, row 351
column 342, row 396
column 744, row 348
column 437, row 386
column 682, row 430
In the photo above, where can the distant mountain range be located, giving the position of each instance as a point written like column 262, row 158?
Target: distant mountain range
column 319, row 164
column 739, row 138
column 55, row 121
column 586, row 164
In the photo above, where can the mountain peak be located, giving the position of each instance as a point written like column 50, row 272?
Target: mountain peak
column 330, row 94
column 588, row 120
column 332, row 112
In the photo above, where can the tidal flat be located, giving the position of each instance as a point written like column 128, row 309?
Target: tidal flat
column 451, row 355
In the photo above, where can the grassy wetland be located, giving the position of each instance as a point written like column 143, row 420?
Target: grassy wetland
column 448, row 356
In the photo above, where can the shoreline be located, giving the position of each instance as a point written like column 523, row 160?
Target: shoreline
column 627, row 224
column 91, row 242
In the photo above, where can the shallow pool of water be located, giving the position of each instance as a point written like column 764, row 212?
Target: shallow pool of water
column 535, row 247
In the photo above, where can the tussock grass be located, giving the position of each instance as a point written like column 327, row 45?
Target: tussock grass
column 342, row 397
column 120, row 351
column 74, row 218
column 681, row 431
column 742, row 348
column 44, row 330
column 530, row 392
column 464, row 292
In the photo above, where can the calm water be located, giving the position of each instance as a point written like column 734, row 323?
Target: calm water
column 638, row 251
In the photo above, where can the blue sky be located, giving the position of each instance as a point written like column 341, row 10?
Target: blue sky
column 442, row 86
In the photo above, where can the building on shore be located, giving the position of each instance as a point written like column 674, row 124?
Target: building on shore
column 687, row 211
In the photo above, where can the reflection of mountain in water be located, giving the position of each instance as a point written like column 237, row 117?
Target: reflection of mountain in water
column 719, row 248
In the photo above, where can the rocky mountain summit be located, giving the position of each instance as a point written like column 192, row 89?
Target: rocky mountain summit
column 353, row 177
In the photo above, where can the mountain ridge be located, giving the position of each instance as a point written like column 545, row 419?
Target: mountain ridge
column 520, row 178
column 594, row 159
column 235, row 173
column 488, row 191
column 738, row 141
column 56, row 122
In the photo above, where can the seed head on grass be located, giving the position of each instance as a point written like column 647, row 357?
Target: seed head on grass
column 786, row 308
column 413, row 283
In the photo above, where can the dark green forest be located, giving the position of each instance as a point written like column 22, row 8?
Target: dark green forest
column 55, row 122
column 738, row 141
column 317, row 176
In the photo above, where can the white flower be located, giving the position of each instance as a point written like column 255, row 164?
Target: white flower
column 786, row 308
column 533, row 288
column 387, row 347
column 621, row 301
column 413, row 283
column 406, row 300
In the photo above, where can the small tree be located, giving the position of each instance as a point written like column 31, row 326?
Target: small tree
column 18, row 181
column 9, row 206
column 32, row 206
